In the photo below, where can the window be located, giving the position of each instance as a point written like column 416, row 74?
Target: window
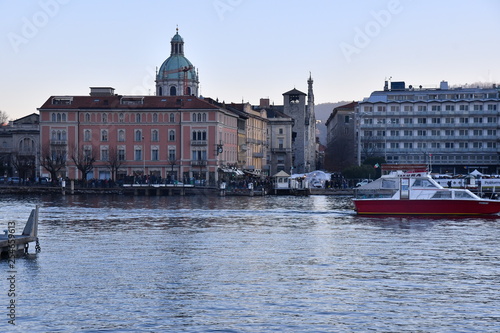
column 138, row 135
column 368, row 108
column 171, row 155
column 492, row 107
column 368, row 121
column 478, row 107
column 421, row 133
column 450, row 107
column 280, row 131
column 408, row 108
column 154, row 135
column 104, row 135
column 138, row 154
column 422, row 120
column 408, row 133
column 448, row 145
column 104, row 154
column 121, row 135
column 173, row 91
column 422, row 108
column 381, row 108
column 394, row 120
column 121, row 117
column 477, row 120
column 155, row 117
column 346, row 120
column 492, row 120
column 478, row 132
column 464, row 120
column 137, row 117
column 436, row 120
column 463, row 145
column 449, row 120
column 408, row 121
column 492, row 132
column 395, row 108
column 394, row 133
column 172, row 118
column 104, row 117
column 464, row 108
column 435, row 132
column 87, row 135
column 449, row 132
column 436, row 108
column 477, row 145
column 87, row 117
column 395, row 145
column 121, row 154
column 463, row 132
column 171, row 135
column 154, row 154
column 408, row 145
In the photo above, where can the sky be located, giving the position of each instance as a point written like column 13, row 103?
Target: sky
column 244, row 50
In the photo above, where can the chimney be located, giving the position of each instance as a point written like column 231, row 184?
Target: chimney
column 264, row 102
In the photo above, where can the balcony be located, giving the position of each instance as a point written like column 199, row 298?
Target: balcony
column 258, row 155
column 199, row 162
column 198, row 142
column 54, row 142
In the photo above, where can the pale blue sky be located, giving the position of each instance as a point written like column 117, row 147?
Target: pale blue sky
column 243, row 49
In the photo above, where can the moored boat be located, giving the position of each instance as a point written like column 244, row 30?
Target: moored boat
column 416, row 193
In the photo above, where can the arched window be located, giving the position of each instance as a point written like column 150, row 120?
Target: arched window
column 199, row 116
column 58, row 135
column 121, row 118
column 172, row 118
column 104, row 135
column 204, row 136
column 138, row 135
column 87, row 117
column 194, row 116
column 155, row 117
column 160, row 91
column 199, row 135
column 194, row 135
column 171, row 135
column 137, row 117
column 154, row 135
column 54, row 117
column 121, row 135
column 63, row 117
column 204, row 117
column 63, row 136
column 58, row 117
column 188, row 91
column 173, row 91
column 86, row 135
column 54, row 136
column 104, row 117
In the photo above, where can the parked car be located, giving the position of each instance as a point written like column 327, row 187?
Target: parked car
column 44, row 180
column 2, row 180
column 363, row 182
column 14, row 180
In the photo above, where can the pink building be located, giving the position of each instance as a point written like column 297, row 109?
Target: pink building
column 165, row 138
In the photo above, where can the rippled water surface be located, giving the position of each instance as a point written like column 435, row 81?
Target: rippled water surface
column 249, row 264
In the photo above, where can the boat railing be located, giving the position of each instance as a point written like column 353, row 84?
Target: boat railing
column 374, row 193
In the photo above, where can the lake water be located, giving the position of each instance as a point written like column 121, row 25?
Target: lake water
column 248, row 264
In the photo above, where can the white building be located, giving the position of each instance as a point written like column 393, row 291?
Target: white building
column 451, row 129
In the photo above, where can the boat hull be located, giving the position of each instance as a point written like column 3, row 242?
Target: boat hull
column 426, row 207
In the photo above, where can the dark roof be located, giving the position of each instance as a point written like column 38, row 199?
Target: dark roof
column 120, row 102
column 294, row 92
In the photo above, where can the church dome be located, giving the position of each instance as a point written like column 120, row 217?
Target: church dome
column 175, row 66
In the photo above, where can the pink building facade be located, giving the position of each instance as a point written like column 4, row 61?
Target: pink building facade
column 139, row 138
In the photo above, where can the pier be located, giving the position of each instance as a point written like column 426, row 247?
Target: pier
column 12, row 244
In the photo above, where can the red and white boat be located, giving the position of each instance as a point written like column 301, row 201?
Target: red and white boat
column 416, row 193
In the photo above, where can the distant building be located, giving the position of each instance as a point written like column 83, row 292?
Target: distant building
column 304, row 127
column 166, row 137
column 452, row 129
column 19, row 143
column 341, row 142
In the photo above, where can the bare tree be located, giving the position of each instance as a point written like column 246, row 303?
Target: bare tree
column 114, row 162
column 4, row 117
column 24, row 164
column 84, row 160
column 53, row 161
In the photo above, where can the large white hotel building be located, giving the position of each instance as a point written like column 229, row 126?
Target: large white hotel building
column 450, row 129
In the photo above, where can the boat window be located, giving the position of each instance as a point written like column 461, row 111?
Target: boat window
column 388, row 184
column 423, row 183
column 442, row 195
column 463, row 195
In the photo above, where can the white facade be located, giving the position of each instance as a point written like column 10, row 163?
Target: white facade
column 451, row 129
